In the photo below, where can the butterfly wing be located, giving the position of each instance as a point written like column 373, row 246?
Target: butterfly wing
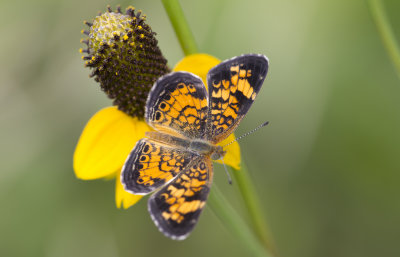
column 232, row 86
column 175, row 208
column 177, row 104
column 152, row 164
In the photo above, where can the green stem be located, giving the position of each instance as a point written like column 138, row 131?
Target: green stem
column 181, row 27
column 233, row 222
column 252, row 203
column 389, row 40
column 257, row 242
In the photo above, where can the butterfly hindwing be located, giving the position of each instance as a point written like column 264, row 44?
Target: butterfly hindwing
column 177, row 104
column 232, row 86
column 152, row 164
column 176, row 207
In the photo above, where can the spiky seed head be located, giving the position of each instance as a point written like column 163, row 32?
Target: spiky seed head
column 124, row 57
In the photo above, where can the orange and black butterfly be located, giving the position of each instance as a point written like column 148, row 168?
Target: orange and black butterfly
column 175, row 160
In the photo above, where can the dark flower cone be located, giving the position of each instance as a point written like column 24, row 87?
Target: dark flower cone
column 124, row 57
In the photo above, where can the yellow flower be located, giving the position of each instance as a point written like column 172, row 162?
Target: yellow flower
column 110, row 135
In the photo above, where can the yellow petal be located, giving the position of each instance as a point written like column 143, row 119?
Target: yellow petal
column 198, row 64
column 123, row 198
column 232, row 156
column 105, row 143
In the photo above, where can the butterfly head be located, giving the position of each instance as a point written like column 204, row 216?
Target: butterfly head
column 218, row 153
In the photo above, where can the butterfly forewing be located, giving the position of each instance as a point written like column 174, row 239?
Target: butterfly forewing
column 233, row 86
column 177, row 104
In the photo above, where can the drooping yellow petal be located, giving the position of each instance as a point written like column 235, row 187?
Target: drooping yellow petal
column 232, row 156
column 198, row 64
column 122, row 198
column 105, row 143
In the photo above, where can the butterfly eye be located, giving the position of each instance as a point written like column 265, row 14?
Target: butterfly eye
column 215, row 156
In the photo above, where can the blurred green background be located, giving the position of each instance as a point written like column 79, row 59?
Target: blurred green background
column 326, row 168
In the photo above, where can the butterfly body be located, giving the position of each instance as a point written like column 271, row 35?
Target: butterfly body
column 197, row 146
column 175, row 160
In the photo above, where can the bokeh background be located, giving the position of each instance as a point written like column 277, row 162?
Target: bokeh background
column 327, row 168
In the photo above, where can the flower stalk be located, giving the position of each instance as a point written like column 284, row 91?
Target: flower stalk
column 257, row 240
column 228, row 216
column 252, row 203
column 385, row 31
column 181, row 27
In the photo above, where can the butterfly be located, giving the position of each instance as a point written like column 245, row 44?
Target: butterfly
column 175, row 160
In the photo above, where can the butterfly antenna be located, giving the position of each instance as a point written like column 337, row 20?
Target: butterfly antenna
column 248, row 133
column 227, row 172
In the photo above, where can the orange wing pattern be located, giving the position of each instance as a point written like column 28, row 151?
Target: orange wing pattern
column 181, row 111
column 151, row 165
column 175, row 209
column 177, row 104
column 232, row 86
